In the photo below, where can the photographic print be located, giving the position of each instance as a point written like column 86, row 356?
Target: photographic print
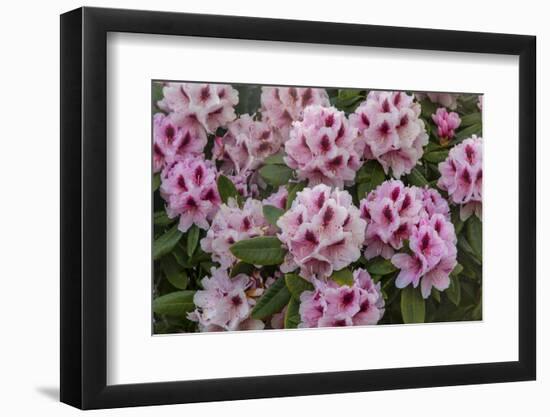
column 293, row 207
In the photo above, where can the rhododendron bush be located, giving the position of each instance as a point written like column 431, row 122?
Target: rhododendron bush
column 287, row 207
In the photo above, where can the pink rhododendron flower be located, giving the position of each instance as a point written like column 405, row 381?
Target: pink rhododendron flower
column 390, row 131
column 280, row 106
column 322, row 231
column 446, row 124
column 433, row 203
column 171, row 142
column 480, row 102
column 233, row 224
column 278, row 199
column 391, row 210
column 330, row 305
column 462, row 176
column 189, row 188
column 224, row 303
column 321, row 147
column 245, row 145
column 212, row 105
column 433, row 246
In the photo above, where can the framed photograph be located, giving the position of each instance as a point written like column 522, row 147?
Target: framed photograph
column 258, row 208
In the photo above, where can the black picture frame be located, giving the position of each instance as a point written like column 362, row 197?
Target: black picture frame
column 84, row 207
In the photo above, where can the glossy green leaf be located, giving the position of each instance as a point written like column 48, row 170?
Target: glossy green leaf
column 380, row 266
column 272, row 214
column 474, row 233
column 468, row 131
column 436, row 157
column 292, row 314
column 156, row 182
column 272, row 301
column 226, row 189
column 173, row 271
column 176, row 304
column 160, row 218
column 277, row 159
column 276, row 175
column 413, row 307
column 293, row 189
column 470, row 119
column 263, row 250
column 296, row 285
column 241, row 268
column 369, row 176
column 416, row 178
column 453, row 292
column 193, row 235
column 342, row 277
column 166, row 242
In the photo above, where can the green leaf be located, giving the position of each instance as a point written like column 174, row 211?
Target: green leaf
column 453, row 292
column 166, row 242
column 292, row 315
column 455, row 218
column 174, row 304
column 263, row 250
column 249, row 98
column 343, row 277
column 468, row 131
column 471, row 119
column 273, row 300
column 413, row 307
column 192, row 239
column 160, row 218
column 427, row 108
column 297, row 285
column 272, row 214
column 226, row 189
column 241, row 268
column 293, row 189
column 156, row 182
column 436, row 294
column 464, row 246
column 380, row 266
column 457, row 270
column 416, row 178
column 436, row 156
column 369, row 176
column 474, row 234
column 276, row 175
column 276, row 159
column 175, row 274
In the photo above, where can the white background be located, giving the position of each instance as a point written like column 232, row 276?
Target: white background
column 30, row 238
column 134, row 356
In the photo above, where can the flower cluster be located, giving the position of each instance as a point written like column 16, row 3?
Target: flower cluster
column 331, row 305
column 390, row 131
column 189, row 189
column 462, row 175
column 245, row 145
column 224, row 303
column 281, row 106
column 446, row 124
column 322, row 231
column 322, row 147
column 433, row 257
column 397, row 214
column 233, row 224
column 391, row 211
column 212, row 105
column 172, row 142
